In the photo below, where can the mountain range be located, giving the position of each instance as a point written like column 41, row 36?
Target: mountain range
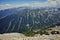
column 24, row 19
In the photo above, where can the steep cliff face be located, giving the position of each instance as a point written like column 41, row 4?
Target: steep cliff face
column 24, row 20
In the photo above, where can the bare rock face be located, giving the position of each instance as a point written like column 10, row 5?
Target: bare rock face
column 18, row 36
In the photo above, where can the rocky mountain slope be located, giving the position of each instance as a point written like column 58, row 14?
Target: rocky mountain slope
column 24, row 20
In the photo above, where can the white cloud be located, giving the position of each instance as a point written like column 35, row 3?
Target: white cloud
column 32, row 4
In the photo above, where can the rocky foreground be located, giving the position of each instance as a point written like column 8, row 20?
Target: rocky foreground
column 18, row 36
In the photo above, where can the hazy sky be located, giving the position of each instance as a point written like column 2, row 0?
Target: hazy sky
column 19, row 1
column 5, row 4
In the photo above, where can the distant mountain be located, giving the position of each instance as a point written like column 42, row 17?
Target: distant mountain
column 26, row 19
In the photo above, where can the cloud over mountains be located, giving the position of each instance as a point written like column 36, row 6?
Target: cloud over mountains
column 49, row 3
